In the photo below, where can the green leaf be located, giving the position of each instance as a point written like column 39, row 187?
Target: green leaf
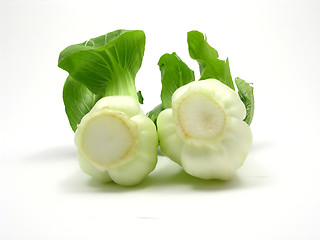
column 78, row 101
column 106, row 65
column 140, row 97
column 245, row 92
column 154, row 113
column 174, row 74
column 207, row 58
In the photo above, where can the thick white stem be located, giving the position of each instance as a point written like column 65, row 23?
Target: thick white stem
column 107, row 138
column 198, row 116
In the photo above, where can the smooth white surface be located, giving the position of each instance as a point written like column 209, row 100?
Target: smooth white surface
column 275, row 195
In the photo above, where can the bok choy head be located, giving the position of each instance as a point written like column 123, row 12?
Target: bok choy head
column 204, row 126
column 115, row 140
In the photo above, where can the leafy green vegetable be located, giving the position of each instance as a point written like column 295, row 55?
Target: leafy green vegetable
column 78, row 101
column 116, row 141
column 206, row 117
column 204, row 130
column 102, row 66
column 246, row 94
column 174, row 74
column 207, row 58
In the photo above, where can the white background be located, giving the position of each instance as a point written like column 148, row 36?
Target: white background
column 275, row 195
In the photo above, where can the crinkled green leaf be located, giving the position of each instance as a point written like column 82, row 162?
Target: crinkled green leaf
column 207, row 58
column 78, row 101
column 245, row 92
column 102, row 66
column 106, row 65
column 174, row 74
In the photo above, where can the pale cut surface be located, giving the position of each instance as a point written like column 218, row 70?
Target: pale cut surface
column 227, row 98
column 108, row 138
column 199, row 116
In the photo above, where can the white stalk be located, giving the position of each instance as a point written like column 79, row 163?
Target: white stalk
column 198, row 116
column 108, row 138
column 112, row 140
column 204, row 131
